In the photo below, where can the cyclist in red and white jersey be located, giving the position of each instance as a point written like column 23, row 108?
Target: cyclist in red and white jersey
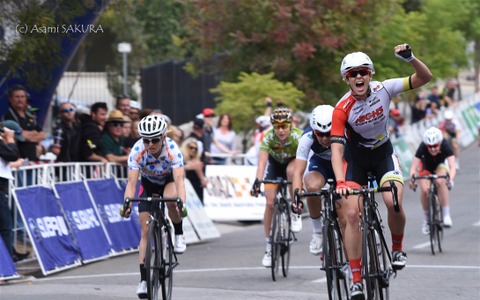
column 361, row 144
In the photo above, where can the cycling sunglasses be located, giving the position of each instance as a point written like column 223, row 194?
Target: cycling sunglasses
column 282, row 126
column 356, row 72
column 321, row 134
column 153, row 141
column 433, row 146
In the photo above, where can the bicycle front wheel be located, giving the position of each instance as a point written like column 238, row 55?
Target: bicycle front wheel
column 152, row 260
column 275, row 240
column 333, row 257
column 433, row 221
column 286, row 236
column 372, row 268
column 167, row 264
column 439, row 222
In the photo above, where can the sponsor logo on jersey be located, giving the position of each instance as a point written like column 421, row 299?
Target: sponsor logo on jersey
column 368, row 116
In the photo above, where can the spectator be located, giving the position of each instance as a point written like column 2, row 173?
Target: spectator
column 451, row 132
column 194, row 166
column 197, row 133
column 8, row 153
column 175, row 133
column 419, row 108
column 123, row 104
column 112, row 139
column 66, row 135
column 395, row 122
column 134, row 113
column 208, row 115
column 434, row 99
column 263, row 124
column 92, row 126
column 127, row 133
column 31, row 131
column 225, row 136
column 448, row 94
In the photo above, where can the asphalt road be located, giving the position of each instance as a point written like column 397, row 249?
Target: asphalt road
column 230, row 267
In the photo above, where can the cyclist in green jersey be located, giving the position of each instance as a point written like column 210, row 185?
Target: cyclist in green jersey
column 276, row 160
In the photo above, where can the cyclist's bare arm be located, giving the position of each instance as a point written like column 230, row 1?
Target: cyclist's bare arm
column 452, row 164
column 413, row 170
column 178, row 177
column 298, row 170
column 337, row 165
column 422, row 73
column 262, row 163
column 131, row 187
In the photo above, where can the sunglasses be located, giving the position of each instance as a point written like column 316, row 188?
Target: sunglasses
column 117, row 124
column 209, row 116
column 355, row 73
column 153, row 141
column 322, row 134
column 66, row 110
column 193, row 148
column 433, row 146
column 282, row 126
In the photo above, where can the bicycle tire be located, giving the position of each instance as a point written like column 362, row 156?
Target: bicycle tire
column 385, row 269
column 152, row 261
column 286, row 238
column 432, row 216
column 333, row 258
column 166, row 268
column 371, row 266
column 275, row 238
column 439, row 222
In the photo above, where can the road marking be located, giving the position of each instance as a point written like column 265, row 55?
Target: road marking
column 323, row 279
column 476, row 224
column 421, row 246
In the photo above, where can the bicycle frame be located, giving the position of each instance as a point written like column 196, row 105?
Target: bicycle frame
column 160, row 259
column 376, row 259
column 281, row 236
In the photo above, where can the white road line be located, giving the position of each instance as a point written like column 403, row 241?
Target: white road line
column 421, row 246
column 323, row 279
column 476, row 224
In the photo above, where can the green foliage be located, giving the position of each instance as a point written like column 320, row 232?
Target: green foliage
column 245, row 98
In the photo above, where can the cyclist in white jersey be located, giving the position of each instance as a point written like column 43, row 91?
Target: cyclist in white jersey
column 360, row 144
column 314, row 148
column 159, row 161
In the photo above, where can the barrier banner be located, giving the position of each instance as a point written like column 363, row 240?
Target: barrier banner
column 7, row 267
column 49, row 234
column 124, row 233
column 404, row 155
column 84, row 221
column 227, row 195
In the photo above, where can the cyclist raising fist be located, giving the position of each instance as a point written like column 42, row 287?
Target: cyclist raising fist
column 361, row 144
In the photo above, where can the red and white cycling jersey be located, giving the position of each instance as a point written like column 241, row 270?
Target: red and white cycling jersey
column 365, row 123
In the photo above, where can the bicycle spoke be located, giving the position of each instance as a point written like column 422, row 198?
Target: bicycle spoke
column 286, row 238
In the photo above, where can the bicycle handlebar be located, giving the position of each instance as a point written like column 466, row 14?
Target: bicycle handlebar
column 431, row 177
column 392, row 188
column 126, row 203
column 275, row 181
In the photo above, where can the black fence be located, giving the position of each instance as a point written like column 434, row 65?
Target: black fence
column 168, row 87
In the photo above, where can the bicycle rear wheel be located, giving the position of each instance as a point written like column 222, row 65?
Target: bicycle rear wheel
column 275, row 240
column 372, row 269
column 286, row 237
column 167, row 264
column 433, row 221
column 152, row 260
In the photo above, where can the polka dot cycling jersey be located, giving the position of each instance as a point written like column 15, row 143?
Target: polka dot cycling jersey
column 155, row 169
column 365, row 123
column 308, row 142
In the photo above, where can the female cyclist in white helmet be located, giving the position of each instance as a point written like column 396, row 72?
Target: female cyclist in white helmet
column 360, row 138
column 159, row 161
column 316, row 141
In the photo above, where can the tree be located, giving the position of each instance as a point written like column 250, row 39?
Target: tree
column 245, row 99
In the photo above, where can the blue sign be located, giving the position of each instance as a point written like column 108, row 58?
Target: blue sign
column 7, row 267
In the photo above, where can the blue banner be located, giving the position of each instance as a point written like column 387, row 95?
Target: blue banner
column 7, row 267
column 83, row 220
column 47, row 229
column 124, row 233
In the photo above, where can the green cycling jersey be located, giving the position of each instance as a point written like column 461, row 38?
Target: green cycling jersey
column 281, row 151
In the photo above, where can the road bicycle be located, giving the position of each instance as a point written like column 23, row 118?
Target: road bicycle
column 435, row 212
column 160, row 258
column 334, row 262
column 376, row 259
column 281, row 235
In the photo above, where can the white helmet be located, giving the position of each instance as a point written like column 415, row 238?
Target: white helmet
column 448, row 115
column 356, row 60
column 263, row 121
column 152, row 126
column 432, row 136
column 321, row 119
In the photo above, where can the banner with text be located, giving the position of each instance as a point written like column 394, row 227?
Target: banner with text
column 7, row 267
column 227, row 195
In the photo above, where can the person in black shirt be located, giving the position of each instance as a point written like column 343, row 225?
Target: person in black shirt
column 66, row 135
column 92, row 127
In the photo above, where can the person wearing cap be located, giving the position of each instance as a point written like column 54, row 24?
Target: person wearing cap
column 451, row 132
column 395, row 122
column 91, row 148
column 31, row 131
column 66, row 134
column 197, row 133
column 208, row 115
column 113, row 140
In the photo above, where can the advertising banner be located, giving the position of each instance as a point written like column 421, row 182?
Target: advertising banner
column 7, row 267
column 227, row 195
column 124, row 233
column 48, row 231
column 84, row 221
